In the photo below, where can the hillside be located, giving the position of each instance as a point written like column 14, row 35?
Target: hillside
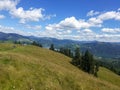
column 34, row 68
column 99, row 49
column 103, row 49
column 5, row 37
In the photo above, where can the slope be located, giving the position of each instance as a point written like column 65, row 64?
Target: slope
column 34, row 68
column 109, row 76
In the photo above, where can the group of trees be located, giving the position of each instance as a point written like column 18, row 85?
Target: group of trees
column 113, row 65
column 65, row 51
column 17, row 42
column 36, row 44
column 85, row 62
column 25, row 43
column 52, row 47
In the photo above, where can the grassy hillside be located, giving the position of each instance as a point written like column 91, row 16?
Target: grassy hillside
column 109, row 76
column 34, row 68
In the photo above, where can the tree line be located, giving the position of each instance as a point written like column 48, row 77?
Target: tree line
column 113, row 65
column 85, row 62
column 25, row 43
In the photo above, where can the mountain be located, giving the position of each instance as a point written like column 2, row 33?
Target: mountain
column 13, row 37
column 103, row 49
column 34, row 68
column 46, row 42
column 99, row 49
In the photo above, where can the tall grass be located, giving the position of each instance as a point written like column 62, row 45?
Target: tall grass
column 30, row 67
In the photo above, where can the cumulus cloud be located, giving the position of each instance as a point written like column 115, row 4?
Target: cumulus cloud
column 87, row 31
column 28, row 15
column 118, row 9
column 98, row 20
column 70, row 23
column 108, row 37
column 32, row 14
column 92, row 13
column 6, row 29
column 36, row 27
column 49, row 16
column 2, row 16
column 115, row 15
column 68, row 28
column 80, row 29
column 111, row 30
column 8, row 4
column 77, row 24
column 84, row 35
column 110, row 15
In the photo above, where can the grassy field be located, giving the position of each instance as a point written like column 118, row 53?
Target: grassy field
column 109, row 76
column 34, row 68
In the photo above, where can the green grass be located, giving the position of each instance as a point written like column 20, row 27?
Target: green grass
column 30, row 67
column 109, row 76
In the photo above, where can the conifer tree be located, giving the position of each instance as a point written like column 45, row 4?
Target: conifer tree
column 96, row 69
column 77, row 58
column 87, row 63
column 52, row 47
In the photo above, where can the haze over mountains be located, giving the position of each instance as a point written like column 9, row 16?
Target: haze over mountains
column 99, row 49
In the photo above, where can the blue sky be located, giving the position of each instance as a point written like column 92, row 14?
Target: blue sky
column 82, row 20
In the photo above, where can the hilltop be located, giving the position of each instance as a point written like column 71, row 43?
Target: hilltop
column 33, row 68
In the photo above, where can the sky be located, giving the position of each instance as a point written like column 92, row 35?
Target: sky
column 82, row 20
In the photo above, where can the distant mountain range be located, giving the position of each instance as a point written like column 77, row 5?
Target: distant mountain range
column 12, row 37
column 99, row 49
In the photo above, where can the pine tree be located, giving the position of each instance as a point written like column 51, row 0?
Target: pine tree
column 36, row 44
column 96, row 69
column 52, row 47
column 87, row 63
column 92, row 64
column 77, row 58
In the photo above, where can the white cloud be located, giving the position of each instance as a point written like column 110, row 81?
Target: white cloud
column 108, row 37
column 28, row 15
column 99, row 20
column 70, row 23
column 49, row 16
column 2, row 16
column 105, row 16
column 82, row 28
column 73, row 23
column 111, row 30
column 87, row 31
column 83, row 35
column 68, row 28
column 118, row 9
column 36, row 27
column 95, row 22
column 32, row 14
column 92, row 13
column 6, row 29
column 110, row 15
column 8, row 4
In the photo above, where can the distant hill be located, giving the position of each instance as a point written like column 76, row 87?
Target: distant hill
column 103, row 49
column 99, row 49
column 34, row 68
column 13, row 37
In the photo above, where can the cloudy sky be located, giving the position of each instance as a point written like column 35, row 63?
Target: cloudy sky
column 83, row 20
